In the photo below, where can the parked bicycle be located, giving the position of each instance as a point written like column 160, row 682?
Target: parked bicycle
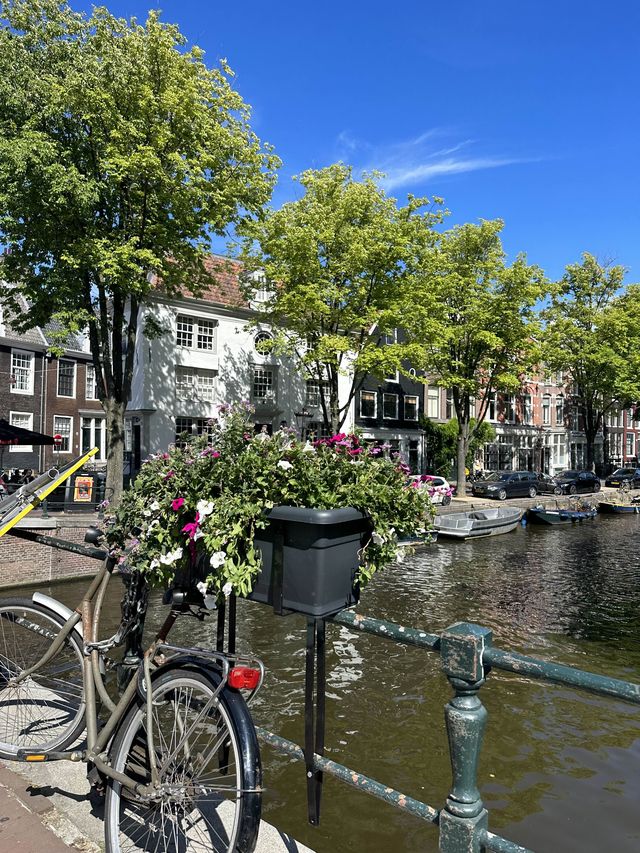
column 176, row 751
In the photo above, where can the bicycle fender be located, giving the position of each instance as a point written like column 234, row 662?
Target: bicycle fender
column 180, row 661
column 57, row 606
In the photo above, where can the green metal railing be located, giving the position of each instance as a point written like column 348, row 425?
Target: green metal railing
column 467, row 655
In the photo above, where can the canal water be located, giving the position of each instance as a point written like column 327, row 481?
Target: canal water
column 559, row 768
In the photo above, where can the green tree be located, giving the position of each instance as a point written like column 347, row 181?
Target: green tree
column 442, row 442
column 471, row 323
column 593, row 333
column 337, row 261
column 121, row 154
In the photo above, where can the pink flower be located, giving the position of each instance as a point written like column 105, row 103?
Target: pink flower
column 169, row 474
column 177, row 503
column 215, row 454
column 191, row 529
column 355, row 451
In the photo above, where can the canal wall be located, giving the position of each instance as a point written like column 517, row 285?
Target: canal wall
column 23, row 562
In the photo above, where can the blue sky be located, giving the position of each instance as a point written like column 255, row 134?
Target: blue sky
column 525, row 111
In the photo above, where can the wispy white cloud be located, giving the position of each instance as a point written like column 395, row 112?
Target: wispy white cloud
column 433, row 153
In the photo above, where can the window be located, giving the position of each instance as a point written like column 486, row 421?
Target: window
column 196, row 332
column 314, row 389
column 195, row 384
column 66, row 378
column 433, row 402
column 410, row 408
column 192, row 426
column 527, row 408
column 263, row 383
column 368, row 404
column 390, row 406
column 22, row 371
column 450, row 407
column 62, row 426
column 391, row 338
column 25, row 421
column 394, row 377
column 91, row 388
column 631, row 444
column 546, row 409
column 260, row 342
column 575, row 418
column 560, row 410
column 509, row 408
column 93, row 434
column 492, row 408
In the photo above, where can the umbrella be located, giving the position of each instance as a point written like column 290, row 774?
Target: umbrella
column 10, row 434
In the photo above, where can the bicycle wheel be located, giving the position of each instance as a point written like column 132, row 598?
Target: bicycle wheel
column 211, row 779
column 46, row 710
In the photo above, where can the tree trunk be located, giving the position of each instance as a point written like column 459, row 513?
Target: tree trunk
column 606, row 456
column 462, row 447
column 114, row 411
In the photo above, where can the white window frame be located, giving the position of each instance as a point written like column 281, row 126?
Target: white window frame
column 546, row 409
column 630, row 445
column 90, row 385
column 393, row 417
column 74, row 364
column 527, row 408
column 375, row 404
column 193, row 383
column 433, row 401
column 561, row 401
column 270, row 386
column 31, row 357
column 26, row 424
column 416, row 404
column 58, row 431
column 194, row 334
column 101, row 455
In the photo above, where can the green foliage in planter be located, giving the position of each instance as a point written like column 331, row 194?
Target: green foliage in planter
column 210, row 496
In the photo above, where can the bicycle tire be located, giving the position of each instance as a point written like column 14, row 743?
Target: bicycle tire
column 46, row 711
column 221, row 822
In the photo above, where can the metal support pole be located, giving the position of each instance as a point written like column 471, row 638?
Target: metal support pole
column 464, row 820
column 314, row 715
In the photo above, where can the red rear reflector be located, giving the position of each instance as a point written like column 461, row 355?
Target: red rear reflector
column 244, row 678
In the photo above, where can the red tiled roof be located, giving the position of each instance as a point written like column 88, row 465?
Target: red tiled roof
column 220, row 283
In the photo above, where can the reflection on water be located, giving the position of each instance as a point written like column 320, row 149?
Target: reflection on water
column 559, row 768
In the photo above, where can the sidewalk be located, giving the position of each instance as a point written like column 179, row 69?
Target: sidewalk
column 45, row 808
column 30, row 824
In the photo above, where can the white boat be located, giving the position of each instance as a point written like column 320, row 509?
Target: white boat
column 478, row 522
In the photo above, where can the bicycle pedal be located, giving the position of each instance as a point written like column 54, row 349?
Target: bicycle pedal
column 35, row 757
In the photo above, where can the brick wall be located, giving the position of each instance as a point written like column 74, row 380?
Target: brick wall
column 23, row 562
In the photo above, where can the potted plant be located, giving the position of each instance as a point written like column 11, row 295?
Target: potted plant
column 214, row 510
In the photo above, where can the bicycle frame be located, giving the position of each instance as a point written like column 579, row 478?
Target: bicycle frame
column 88, row 612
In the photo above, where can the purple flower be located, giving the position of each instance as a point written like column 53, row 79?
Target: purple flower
column 177, row 503
column 169, row 475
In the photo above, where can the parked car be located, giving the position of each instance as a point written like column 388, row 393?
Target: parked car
column 439, row 489
column 507, row 484
column 623, row 477
column 571, row 482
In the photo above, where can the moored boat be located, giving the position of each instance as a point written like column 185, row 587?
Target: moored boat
column 609, row 508
column 480, row 522
column 544, row 515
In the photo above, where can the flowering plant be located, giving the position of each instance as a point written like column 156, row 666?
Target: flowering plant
column 205, row 500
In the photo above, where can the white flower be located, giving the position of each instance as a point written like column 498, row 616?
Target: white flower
column 308, row 448
column 170, row 557
column 217, row 559
column 227, row 589
column 146, row 512
column 198, row 534
column 202, row 587
column 376, row 538
column 153, row 524
column 155, row 506
column 154, row 564
column 284, row 464
column 204, row 508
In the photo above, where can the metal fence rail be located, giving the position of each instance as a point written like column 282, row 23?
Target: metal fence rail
column 467, row 655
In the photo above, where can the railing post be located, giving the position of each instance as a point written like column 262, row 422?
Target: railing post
column 464, row 820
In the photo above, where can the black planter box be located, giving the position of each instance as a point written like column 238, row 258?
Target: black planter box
column 310, row 559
